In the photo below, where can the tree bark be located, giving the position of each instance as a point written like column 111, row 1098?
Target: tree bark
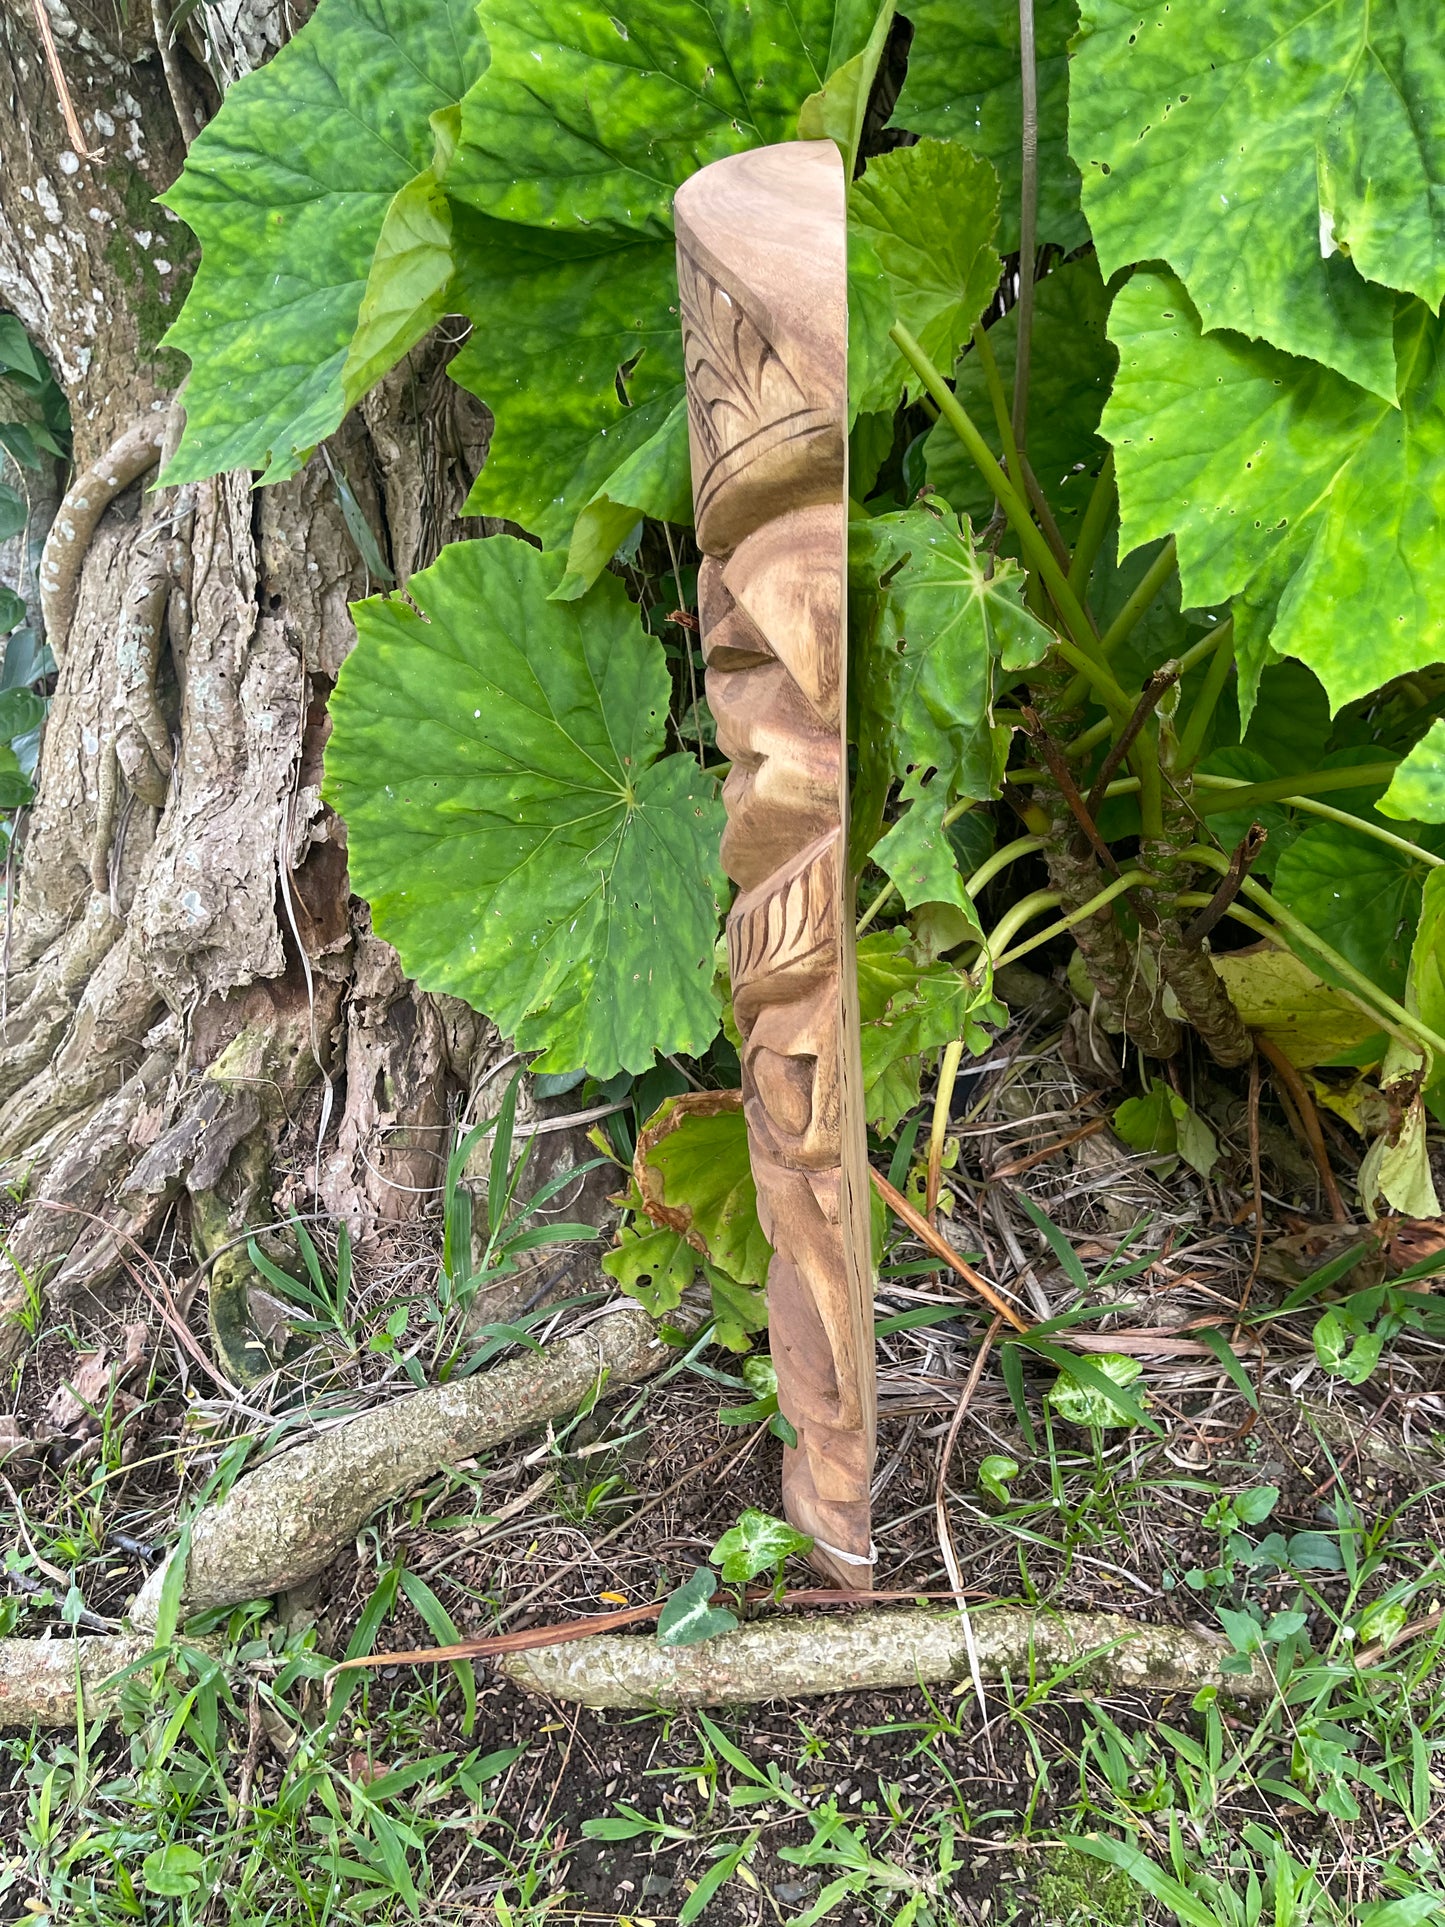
column 195, row 1013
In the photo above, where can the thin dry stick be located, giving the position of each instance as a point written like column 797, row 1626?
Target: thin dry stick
column 60, row 84
column 1161, row 680
column 1290, row 1078
column 940, row 1508
column 1019, row 1165
column 926, row 1235
column 1257, row 1181
column 1063, row 776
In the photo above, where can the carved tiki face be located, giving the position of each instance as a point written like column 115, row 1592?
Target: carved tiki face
column 762, row 279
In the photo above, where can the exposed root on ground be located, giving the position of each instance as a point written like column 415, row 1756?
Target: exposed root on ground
column 286, row 1521
column 795, row 1658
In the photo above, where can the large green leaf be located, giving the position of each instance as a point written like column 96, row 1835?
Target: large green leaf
column 289, row 189
column 1361, row 896
column 921, row 224
column 511, row 819
column 592, row 119
column 909, row 1009
column 561, row 324
column 1313, row 500
column 964, row 84
column 1275, row 155
column 1071, row 367
column 941, row 619
column 572, row 151
column 1418, row 790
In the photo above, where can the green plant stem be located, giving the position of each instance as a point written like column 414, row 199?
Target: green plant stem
column 1132, row 613
column 1301, row 932
column 1149, row 585
column 1092, row 528
column 1095, row 903
column 938, row 1129
column 1191, row 736
column 1036, row 549
column 993, row 381
column 1284, row 789
column 985, row 873
column 1000, row 860
column 1331, row 815
column 1018, row 914
column 1028, row 217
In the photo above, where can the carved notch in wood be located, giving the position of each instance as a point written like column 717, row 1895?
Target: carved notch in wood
column 762, row 275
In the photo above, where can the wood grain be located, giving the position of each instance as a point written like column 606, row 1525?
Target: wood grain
column 762, row 279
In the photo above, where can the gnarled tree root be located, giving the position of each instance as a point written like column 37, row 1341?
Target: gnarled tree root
column 794, row 1658
column 38, row 1677
column 289, row 1519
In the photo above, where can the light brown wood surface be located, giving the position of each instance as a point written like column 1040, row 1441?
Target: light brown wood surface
column 762, row 276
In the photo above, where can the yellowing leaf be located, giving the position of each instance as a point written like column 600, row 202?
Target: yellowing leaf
column 1285, row 1001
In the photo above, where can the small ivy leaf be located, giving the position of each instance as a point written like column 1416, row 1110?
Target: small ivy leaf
column 1382, row 1624
column 994, row 1473
column 1147, row 1123
column 758, row 1543
column 1083, row 1403
column 689, row 1617
column 513, row 822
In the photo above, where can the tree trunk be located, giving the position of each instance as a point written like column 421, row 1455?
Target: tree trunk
column 196, row 1015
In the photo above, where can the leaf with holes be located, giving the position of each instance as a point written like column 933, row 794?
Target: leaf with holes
column 1284, row 159
column 290, row 188
column 1311, row 499
column 512, row 820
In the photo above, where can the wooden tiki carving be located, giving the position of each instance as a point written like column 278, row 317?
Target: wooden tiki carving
column 762, row 278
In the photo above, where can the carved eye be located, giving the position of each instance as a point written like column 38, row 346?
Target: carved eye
column 785, row 1088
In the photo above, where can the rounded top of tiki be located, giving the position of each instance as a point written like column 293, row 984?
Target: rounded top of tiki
column 762, row 268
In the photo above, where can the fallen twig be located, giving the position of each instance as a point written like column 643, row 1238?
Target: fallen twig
column 926, row 1235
